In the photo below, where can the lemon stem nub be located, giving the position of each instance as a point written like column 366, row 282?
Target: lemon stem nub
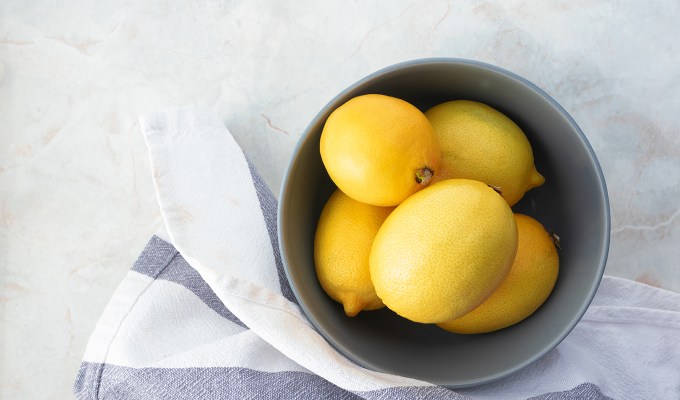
column 423, row 175
column 556, row 240
column 497, row 189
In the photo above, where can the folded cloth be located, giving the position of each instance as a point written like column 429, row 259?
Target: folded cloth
column 206, row 312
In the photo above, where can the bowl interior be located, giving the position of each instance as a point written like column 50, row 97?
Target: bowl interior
column 572, row 203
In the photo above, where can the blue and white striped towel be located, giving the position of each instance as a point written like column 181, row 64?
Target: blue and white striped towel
column 206, row 312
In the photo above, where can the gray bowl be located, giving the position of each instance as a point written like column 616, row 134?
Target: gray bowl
column 572, row 203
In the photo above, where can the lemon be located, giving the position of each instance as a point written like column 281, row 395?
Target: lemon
column 379, row 149
column 479, row 142
column 342, row 244
column 442, row 251
column 527, row 286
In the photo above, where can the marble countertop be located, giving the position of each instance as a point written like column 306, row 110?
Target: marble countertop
column 77, row 203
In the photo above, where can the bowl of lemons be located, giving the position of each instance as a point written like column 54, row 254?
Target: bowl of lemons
column 444, row 220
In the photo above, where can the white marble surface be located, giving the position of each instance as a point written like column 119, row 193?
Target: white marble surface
column 76, row 198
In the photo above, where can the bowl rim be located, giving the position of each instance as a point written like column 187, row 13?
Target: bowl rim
column 333, row 103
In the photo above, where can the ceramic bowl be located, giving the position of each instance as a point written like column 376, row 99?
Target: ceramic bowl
column 572, row 203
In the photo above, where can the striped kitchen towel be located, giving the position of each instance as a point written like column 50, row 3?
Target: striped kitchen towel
column 206, row 312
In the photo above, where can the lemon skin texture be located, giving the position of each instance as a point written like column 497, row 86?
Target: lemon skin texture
column 527, row 286
column 379, row 149
column 479, row 142
column 342, row 244
column 443, row 251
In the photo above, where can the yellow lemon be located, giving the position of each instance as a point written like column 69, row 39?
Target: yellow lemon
column 443, row 251
column 379, row 149
column 479, row 142
column 342, row 244
column 529, row 283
